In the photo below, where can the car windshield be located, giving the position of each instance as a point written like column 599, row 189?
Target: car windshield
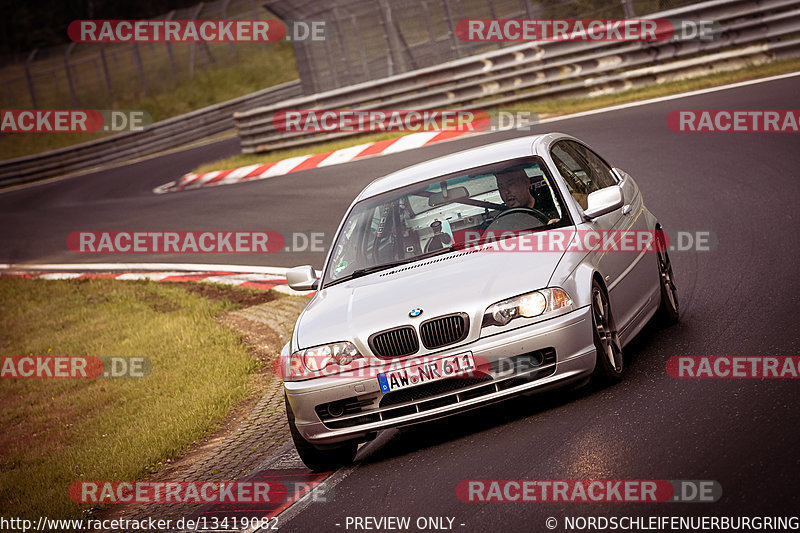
column 445, row 213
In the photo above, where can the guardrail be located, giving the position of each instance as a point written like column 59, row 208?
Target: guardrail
column 163, row 135
column 750, row 31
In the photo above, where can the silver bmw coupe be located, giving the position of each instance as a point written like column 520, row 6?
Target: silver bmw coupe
column 510, row 268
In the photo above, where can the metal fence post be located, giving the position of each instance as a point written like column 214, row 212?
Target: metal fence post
column 29, row 78
column 11, row 96
column 104, row 63
column 361, row 44
column 527, row 5
column 257, row 14
column 72, row 94
column 329, row 56
column 392, row 37
column 627, row 5
column 173, row 69
column 193, row 46
column 225, row 5
column 137, row 57
column 456, row 47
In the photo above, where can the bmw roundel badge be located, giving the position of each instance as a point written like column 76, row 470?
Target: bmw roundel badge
column 414, row 313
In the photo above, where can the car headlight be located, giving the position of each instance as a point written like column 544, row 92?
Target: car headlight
column 527, row 305
column 316, row 359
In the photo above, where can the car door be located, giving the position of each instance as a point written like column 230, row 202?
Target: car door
column 585, row 172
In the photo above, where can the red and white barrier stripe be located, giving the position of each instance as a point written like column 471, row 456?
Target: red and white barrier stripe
column 267, row 278
column 305, row 162
column 414, row 140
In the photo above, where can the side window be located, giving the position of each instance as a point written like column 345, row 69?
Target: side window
column 601, row 172
column 583, row 171
column 543, row 192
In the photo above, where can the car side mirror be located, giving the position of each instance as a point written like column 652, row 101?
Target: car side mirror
column 604, row 201
column 302, row 278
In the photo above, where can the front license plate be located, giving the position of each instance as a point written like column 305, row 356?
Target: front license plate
column 433, row 370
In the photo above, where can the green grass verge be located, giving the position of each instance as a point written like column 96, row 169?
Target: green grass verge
column 57, row 431
column 565, row 106
column 257, row 70
column 544, row 108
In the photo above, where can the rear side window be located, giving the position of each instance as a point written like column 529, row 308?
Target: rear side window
column 584, row 171
column 601, row 172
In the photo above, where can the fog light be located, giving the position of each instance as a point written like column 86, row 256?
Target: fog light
column 335, row 409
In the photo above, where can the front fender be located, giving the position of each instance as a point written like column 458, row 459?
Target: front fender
column 577, row 282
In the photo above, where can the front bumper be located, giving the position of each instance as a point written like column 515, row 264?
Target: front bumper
column 569, row 335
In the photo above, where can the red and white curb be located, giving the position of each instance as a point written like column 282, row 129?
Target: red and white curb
column 305, row 162
column 263, row 278
column 408, row 142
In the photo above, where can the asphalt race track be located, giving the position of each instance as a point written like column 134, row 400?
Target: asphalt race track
column 739, row 299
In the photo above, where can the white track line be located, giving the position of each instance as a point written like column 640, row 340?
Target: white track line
column 61, row 275
column 237, row 174
column 205, row 178
column 409, row 142
column 419, row 139
column 284, row 167
column 344, row 155
column 667, row 98
column 144, row 267
column 159, row 271
column 152, row 276
column 238, row 279
column 162, row 188
column 285, row 289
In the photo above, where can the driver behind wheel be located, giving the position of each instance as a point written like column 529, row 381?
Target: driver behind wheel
column 514, row 187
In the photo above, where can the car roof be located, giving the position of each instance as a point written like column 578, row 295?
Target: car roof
column 482, row 155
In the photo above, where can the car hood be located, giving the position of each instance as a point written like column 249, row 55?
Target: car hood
column 467, row 282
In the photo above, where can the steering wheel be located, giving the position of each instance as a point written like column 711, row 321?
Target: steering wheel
column 518, row 211
column 438, row 241
column 376, row 249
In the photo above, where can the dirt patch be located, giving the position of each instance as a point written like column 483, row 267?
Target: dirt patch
column 48, row 431
column 238, row 295
column 160, row 304
column 262, row 342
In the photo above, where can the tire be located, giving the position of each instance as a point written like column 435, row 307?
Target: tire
column 609, row 365
column 318, row 459
column 668, row 309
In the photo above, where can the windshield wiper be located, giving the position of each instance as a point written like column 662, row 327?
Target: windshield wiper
column 385, row 266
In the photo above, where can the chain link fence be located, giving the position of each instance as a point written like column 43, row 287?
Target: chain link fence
column 96, row 74
column 373, row 39
column 365, row 40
